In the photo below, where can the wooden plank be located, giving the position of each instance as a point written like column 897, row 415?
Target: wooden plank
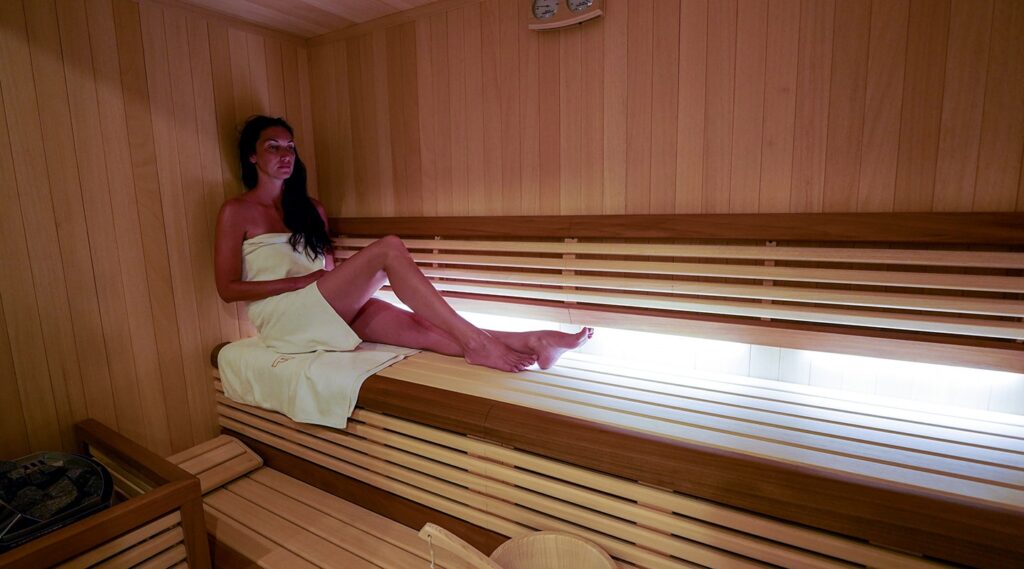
column 748, row 105
column 145, row 550
column 550, row 123
column 277, row 106
column 443, row 136
column 237, row 541
column 396, row 120
column 639, row 93
column 260, row 91
column 908, row 257
column 721, row 70
column 343, row 533
column 566, row 439
column 14, row 441
column 883, row 104
column 327, row 110
column 175, row 143
column 847, row 93
column 664, row 107
column 934, row 228
column 592, row 145
column 693, row 34
column 169, row 558
column 509, row 93
column 427, row 117
column 963, row 102
column 814, row 69
column 121, row 543
column 305, row 100
column 124, row 205
column 214, row 457
column 489, row 186
column 383, row 528
column 570, row 119
column 616, row 110
column 35, row 302
column 779, row 105
column 81, row 376
column 1002, row 126
column 125, row 368
column 199, row 449
column 410, row 122
column 402, row 510
column 147, row 186
column 203, row 209
column 836, row 546
column 385, row 196
column 288, row 535
column 922, row 104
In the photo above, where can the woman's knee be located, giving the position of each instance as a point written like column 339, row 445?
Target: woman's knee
column 391, row 245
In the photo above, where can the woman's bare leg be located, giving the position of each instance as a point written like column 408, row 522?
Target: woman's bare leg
column 348, row 287
column 380, row 321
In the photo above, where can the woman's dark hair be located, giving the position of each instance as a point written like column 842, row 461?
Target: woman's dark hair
column 300, row 214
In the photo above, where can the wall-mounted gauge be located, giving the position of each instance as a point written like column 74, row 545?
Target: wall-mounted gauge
column 554, row 14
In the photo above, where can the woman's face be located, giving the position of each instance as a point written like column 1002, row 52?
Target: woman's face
column 275, row 153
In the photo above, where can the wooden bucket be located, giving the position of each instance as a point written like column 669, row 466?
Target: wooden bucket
column 538, row 550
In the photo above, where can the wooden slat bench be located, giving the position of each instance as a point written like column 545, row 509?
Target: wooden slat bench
column 257, row 516
column 669, row 472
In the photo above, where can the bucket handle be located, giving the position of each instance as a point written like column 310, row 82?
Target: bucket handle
column 435, row 534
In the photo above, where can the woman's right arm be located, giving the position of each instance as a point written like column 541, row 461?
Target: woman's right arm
column 227, row 262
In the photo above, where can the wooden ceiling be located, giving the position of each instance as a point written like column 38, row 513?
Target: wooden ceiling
column 306, row 18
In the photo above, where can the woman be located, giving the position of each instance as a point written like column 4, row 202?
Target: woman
column 273, row 251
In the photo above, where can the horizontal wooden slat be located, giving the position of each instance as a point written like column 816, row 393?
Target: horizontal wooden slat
column 146, row 550
column 984, row 283
column 119, row 544
column 992, row 228
column 983, row 259
column 921, row 323
column 255, row 545
column 935, row 303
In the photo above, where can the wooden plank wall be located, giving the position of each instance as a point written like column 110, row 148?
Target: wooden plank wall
column 117, row 131
column 689, row 106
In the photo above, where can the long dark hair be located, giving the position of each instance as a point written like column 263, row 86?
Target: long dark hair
column 300, row 214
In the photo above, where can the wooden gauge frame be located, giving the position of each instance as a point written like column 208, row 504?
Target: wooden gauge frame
column 564, row 16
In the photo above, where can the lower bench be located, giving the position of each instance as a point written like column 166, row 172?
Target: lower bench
column 259, row 516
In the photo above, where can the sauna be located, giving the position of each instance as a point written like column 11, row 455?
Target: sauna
column 796, row 228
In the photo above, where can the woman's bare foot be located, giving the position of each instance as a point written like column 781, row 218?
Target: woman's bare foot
column 549, row 345
column 485, row 350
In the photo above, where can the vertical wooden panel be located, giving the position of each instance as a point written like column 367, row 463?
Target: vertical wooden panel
column 396, row 118
column 326, row 110
column 411, row 110
column 511, row 144
column 493, row 129
column 258, row 72
column 1002, row 129
column 386, row 194
column 883, row 104
column 664, row 107
column 151, row 368
column 693, row 47
column 615, row 108
column 748, row 106
column 106, row 259
column 639, row 85
column 962, row 104
column 550, row 123
column 779, row 105
column 426, row 130
column 83, row 387
column 151, row 215
column 814, row 66
column 457, row 91
column 442, row 114
column 14, row 438
column 245, row 101
column 570, row 129
column 922, row 104
column 304, row 127
column 846, row 105
column 30, row 330
column 474, row 111
column 592, row 102
column 275, row 78
column 721, row 71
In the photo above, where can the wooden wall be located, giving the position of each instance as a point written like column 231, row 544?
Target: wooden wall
column 116, row 133
column 666, row 106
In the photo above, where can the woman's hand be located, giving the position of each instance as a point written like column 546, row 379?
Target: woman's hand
column 312, row 277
